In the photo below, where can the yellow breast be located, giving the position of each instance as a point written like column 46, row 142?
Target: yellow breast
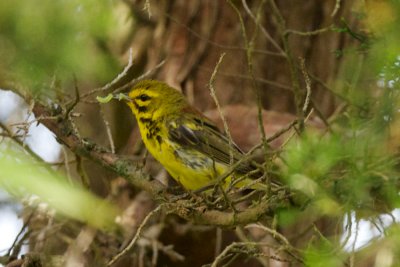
column 192, row 169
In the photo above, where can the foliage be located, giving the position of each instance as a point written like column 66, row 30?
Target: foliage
column 330, row 163
column 40, row 40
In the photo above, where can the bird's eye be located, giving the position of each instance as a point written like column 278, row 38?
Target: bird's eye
column 144, row 97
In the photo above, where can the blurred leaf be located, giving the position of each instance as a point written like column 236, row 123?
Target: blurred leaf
column 287, row 217
column 40, row 39
column 347, row 168
column 380, row 14
column 323, row 255
column 22, row 177
column 312, row 156
column 383, row 18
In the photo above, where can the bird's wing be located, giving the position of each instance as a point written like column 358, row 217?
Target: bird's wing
column 195, row 131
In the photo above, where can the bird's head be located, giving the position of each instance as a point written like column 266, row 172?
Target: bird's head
column 150, row 98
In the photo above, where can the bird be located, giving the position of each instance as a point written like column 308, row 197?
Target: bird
column 185, row 142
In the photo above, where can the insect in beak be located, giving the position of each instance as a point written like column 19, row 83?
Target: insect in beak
column 109, row 97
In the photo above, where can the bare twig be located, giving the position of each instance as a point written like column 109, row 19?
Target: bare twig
column 66, row 164
column 135, row 238
column 308, row 86
column 353, row 248
column 141, row 77
column 16, row 138
column 200, row 52
column 290, row 60
column 228, row 249
column 71, row 107
column 227, row 47
column 249, row 247
column 263, row 30
column 15, row 248
column 116, row 79
column 82, row 173
column 348, row 230
column 218, row 241
column 168, row 250
column 123, row 74
column 336, row 8
column 309, row 33
column 147, row 7
column 249, row 54
column 280, row 238
column 75, row 254
column 246, row 77
column 221, row 114
column 108, row 130
column 282, row 131
column 240, row 233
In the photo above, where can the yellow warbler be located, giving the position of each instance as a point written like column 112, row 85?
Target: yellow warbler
column 190, row 147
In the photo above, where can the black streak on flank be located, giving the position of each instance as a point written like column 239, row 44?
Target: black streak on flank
column 146, row 120
column 153, row 131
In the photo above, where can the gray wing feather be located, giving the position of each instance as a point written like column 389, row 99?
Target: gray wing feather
column 209, row 141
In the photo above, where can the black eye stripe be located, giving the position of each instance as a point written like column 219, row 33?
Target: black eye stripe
column 143, row 97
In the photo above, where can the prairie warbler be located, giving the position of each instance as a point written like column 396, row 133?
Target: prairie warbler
column 190, row 147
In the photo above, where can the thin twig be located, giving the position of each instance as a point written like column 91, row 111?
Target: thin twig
column 231, row 169
column 147, row 7
column 71, row 107
column 246, row 77
column 115, row 80
column 226, row 47
column 141, row 77
column 135, row 238
column 81, row 171
column 298, row 94
column 201, row 50
column 292, row 251
column 282, row 131
column 108, row 130
column 15, row 138
column 225, row 252
column 218, row 241
column 67, row 169
column 336, row 8
column 221, row 114
column 249, row 48
column 252, row 248
column 348, row 229
column 353, row 248
column 309, row 33
column 308, row 86
column 24, row 226
column 263, row 30
column 241, row 235
column 122, row 75
column 169, row 251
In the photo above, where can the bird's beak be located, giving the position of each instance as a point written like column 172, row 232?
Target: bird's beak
column 122, row 97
